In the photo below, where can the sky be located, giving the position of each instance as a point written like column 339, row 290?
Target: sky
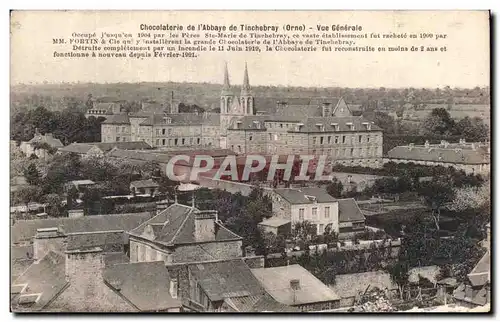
column 465, row 63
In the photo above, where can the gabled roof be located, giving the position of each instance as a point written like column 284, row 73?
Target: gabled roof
column 474, row 295
column 274, row 222
column 349, row 210
column 24, row 230
column 45, row 279
column 299, row 195
column 175, row 225
column 135, row 145
column 47, row 138
column 276, row 281
column 145, row 285
column 226, row 279
column 80, row 148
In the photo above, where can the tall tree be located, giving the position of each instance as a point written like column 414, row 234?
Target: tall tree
column 32, row 174
column 436, row 194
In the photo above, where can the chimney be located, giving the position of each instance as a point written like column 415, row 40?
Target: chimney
column 204, row 225
column 85, row 266
column 326, row 109
column 48, row 239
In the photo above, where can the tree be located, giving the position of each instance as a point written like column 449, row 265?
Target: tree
column 400, row 275
column 436, row 194
column 54, row 207
column 26, row 195
column 439, row 121
column 471, row 198
column 335, row 188
column 32, row 174
column 304, row 230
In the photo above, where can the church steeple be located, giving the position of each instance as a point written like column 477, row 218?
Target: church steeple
column 246, row 98
column 245, row 88
column 226, row 88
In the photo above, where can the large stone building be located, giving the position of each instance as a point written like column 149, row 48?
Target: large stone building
column 248, row 124
column 472, row 158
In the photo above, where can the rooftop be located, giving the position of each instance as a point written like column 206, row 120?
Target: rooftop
column 349, row 210
column 176, row 225
column 300, row 196
column 277, row 280
column 274, row 222
column 452, row 153
column 144, row 183
column 25, row 230
column 145, row 285
column 47, row 138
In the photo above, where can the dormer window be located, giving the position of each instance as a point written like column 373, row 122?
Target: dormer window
column 350, row 125
column 335, row 126
column 299, row 126
column 168, row 120
column 238, row 125
column 311, row 198
column 368, row 125
column 320, row 127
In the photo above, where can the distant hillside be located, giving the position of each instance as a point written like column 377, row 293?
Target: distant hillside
column 206, row 95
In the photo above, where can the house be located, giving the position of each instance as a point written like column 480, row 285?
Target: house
column 293, row 285
column 224, row 286
column 470, row 157
column 42, row 146
column 276, row 226
column 141, row 187
column 351, row 286
column 102, row 107
column 316, row 206
column 182, row 234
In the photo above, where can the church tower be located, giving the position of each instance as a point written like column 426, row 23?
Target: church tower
column 246, row 98
column 226, row 95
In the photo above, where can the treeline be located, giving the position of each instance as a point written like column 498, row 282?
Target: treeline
column 69, row 125
column 207, row 95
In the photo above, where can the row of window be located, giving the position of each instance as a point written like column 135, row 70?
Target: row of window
column 180, row 142
column 337, row 139
column 124, row 129
column 314, row 213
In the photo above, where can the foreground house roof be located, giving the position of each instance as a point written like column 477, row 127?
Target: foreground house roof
column 176, row 225
column 349, row 210
column 39, row 284
column 299, row 196
column 25, row 230
column 145, row 285
column 277, row 281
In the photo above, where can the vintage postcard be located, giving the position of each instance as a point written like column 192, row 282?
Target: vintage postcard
column 250, row 161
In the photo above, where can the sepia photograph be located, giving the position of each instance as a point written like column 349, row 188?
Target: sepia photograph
column 250, row 161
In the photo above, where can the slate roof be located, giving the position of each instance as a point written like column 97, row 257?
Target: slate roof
column 226, row 279
column 439, row 154
column 146, row 285
column 351, row 285
column 107, row 106
column 309, row 124
column 115, row 258
column 258, row 303
column 46, row 277
column 24, row 230
column 175, row 225
column 298, row 196
column 83, row 148
column 349, row 210
column 47, row 138
column 117, row 119
column 270, row 104
column 138, row 156
column 108, row 241
column 276, row 281
column 212, row 119
column 480, row 273
column 144, row 183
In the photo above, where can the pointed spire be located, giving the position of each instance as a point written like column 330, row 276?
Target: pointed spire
column 226, row 88
column 245, row 88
